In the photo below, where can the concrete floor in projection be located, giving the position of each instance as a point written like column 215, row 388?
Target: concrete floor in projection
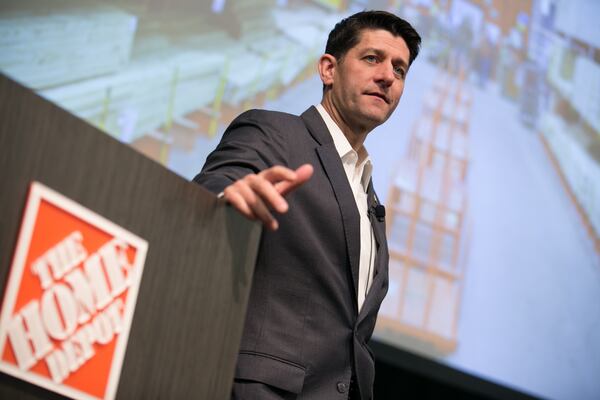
column 530, row 314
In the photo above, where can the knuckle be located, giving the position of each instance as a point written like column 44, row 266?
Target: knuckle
column 235, row 186
column 251, row 179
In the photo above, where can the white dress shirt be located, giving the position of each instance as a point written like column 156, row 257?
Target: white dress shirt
column 358, row 169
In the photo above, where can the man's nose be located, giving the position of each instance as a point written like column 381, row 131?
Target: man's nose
column 385, row 74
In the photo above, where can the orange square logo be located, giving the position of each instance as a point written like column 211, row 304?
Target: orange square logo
column 70, row 298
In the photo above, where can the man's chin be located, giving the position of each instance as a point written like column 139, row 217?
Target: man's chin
column 376, row 119
column 367, row 124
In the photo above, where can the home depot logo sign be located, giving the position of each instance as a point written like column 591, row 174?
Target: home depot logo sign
column 70, row 298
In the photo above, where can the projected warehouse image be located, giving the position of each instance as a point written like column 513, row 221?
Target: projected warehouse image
column 489, row 169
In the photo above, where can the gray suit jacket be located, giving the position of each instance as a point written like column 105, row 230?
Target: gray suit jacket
column 303, row 332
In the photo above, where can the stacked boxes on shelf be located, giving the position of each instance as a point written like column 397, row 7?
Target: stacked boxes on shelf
column 333, row 4
column 150, row 92
column 275, row 48
column 571, row 131
column 125, row 104
column 289, row 57
column 45, row 44
column 426, row 227
column 254, row 18
column 165, row 75
column 306, row 27
column 586, row 97
column 578, row 166
column 576, row 78
column 197, row 52
column 235, row 55
column 244, row 83
column 260, row 70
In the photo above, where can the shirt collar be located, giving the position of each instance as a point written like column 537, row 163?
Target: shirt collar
column 344, row 149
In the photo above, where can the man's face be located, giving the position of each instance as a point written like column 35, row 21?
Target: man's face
column 367, row 83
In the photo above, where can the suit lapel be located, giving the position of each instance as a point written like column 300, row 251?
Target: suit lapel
column 350, row 217
column 332, row 165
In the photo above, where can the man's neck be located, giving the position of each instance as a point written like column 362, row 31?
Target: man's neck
column 356, row 136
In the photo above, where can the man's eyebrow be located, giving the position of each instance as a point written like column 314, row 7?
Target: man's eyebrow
column 379, row 52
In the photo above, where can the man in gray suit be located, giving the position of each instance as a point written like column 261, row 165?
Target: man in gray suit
column 322, row 267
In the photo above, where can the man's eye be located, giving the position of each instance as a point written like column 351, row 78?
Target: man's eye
column 370, row 59
column 399, row 71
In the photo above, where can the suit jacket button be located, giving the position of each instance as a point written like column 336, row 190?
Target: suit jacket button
column 342, row 387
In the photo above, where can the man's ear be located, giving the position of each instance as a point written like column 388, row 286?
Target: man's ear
column 327, row 65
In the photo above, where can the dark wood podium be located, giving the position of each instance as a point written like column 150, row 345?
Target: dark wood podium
column 192, row 299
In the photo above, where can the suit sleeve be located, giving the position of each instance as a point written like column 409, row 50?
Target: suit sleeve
column 253, row 142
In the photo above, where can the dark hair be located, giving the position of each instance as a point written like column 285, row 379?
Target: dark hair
column 346, row 33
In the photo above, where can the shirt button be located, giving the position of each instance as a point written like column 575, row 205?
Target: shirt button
column 342, row 387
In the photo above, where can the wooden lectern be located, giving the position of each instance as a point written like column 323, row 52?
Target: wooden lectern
column 191, row 303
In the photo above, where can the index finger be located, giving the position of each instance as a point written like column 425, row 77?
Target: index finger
column 278, row 173
column 303, row 174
